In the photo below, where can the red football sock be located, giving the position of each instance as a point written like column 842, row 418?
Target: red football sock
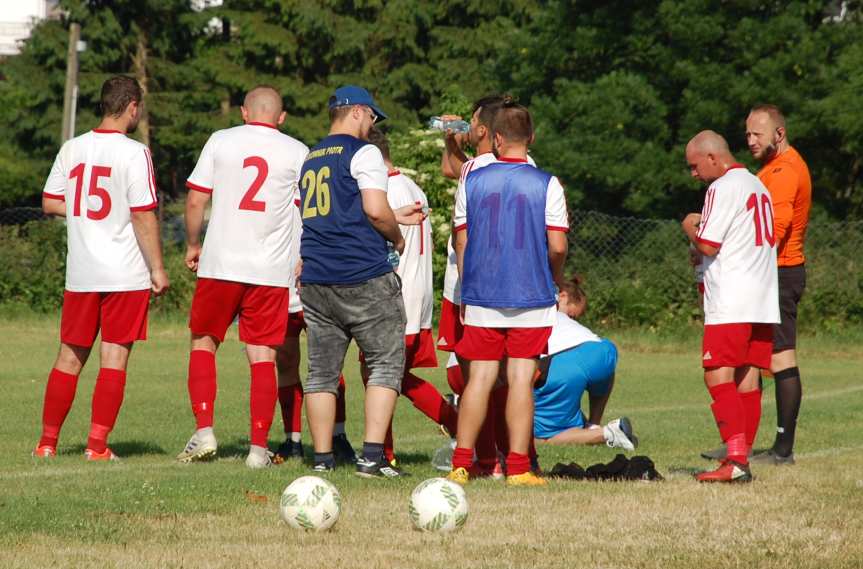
column 429, row 401
column 517, row 464
column 462, row 458
column 752, row 410
column 202, row 386
column 341, row 415
column 728, row 411
column 501, row 430
column 262, row 401
column 107, row 399
column 455, row 379
column 291, row 403
column 59, row 395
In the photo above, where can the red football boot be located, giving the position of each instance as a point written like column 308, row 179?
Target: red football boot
column 728, row 471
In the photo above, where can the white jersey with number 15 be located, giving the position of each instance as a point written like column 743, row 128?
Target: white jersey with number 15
column 253, row 173
column 103, row 176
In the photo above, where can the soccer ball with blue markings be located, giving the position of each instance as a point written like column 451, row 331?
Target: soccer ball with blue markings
column 438, row 505
column 311, row 503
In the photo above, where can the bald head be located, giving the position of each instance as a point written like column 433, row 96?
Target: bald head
column 708, row 156
column 708, row 142
column 263, row 104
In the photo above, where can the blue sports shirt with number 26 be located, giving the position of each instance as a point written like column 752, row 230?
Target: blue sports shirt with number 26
column 339, row 244
column 506, row 259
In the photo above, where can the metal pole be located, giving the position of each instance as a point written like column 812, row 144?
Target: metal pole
column 70, row 93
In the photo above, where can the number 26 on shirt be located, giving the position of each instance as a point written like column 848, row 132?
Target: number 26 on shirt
column 315, row 185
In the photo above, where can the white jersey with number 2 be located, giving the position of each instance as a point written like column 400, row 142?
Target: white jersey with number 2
column 740, row 281
column 103, row 176
column 415, row 263
column 253, row 173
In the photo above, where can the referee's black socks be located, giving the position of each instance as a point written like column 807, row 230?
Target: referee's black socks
column 789, row 393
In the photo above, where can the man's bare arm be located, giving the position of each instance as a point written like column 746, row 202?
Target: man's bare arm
column 146, row 228
column 196, row 204
column 54, row 207
column 557, row 249
column 381, row 216
column 690, row 228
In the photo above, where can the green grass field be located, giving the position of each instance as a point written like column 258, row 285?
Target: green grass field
column 149, row 511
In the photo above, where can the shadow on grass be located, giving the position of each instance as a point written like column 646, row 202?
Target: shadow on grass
column 127, row 448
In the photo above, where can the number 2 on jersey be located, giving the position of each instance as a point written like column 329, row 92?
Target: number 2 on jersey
column 317, row 188
column 249, row 202
column 96, row 172
column 762, row 218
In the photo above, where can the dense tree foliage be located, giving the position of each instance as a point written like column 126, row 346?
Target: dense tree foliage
column 616, row 87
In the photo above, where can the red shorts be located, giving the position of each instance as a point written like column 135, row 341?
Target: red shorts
column 296, row 324
column 479, row 343
column 263, row 311
column 122, row 317
column 449, row 328
column 419, row 350
column 736, row 345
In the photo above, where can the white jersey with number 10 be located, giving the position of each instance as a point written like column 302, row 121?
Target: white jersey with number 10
column 253, row 173
column 740, row 281
column 103, row 176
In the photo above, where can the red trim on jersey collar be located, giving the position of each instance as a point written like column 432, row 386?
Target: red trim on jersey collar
column 266, row 124
column 108, row 131
column 392, row 173
column 733, row 166
column 512, row 160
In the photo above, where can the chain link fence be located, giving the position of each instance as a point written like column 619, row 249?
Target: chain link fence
column 636, row 271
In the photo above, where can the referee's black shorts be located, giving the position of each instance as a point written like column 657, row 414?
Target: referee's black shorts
column 792, row 282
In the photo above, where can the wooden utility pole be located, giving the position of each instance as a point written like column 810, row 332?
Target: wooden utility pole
column 71, row 92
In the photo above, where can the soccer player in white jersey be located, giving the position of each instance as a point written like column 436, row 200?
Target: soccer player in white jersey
column 245, row 265
column 415, row 271
column 734, row 232
column 510, row 223
column 102, row 182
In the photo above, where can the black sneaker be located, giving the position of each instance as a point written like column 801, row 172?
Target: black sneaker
column 370, row 469
column 322, row 468
column 342, row 449
column 769, row 456
column 288, row 450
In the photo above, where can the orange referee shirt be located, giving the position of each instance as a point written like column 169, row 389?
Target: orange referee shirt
column 787, row 178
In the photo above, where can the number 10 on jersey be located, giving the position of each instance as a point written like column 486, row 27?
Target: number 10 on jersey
column 315, row 184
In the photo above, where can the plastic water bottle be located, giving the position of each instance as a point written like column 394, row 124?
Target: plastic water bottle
column 457, row 125
column 392, row 255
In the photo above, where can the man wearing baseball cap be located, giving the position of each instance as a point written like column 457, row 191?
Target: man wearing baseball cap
column 348, row 285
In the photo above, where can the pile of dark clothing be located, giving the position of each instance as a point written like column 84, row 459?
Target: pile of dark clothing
column 621, row 468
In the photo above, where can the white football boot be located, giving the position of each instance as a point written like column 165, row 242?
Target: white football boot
column 259, row 457
column 202, row 446
column 618, row 434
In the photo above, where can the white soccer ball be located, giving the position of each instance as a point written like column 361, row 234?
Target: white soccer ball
column 310, row 503
column 438, row 505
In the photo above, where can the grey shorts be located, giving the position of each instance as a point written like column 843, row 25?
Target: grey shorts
column 372, row 313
